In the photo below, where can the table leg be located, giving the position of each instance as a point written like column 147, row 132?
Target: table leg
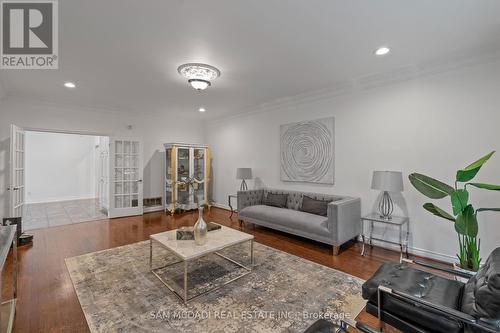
column 363, row 246
column 14, row 265
column 230, row 206
column 185, row 282
column 150, row 254
column 401, row 242
column 251, row 254
column 406, row 240
column 371, row 234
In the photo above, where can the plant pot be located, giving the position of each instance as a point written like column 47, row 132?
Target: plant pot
column 456, row 266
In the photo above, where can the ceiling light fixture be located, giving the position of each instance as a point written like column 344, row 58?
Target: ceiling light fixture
column 199, row 75
column 69, row 85
column 382, row 51
column 202, row 109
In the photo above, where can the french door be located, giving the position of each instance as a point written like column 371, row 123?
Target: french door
column 125, row 177
column 17, row 174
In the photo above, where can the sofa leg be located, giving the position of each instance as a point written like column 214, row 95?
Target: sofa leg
column 336, row 250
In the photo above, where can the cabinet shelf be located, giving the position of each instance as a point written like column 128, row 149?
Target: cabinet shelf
column 182, row 162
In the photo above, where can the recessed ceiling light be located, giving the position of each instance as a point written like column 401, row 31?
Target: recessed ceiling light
column 199, row 75
column 69, row 85
column 382, row 51
column 202, row 109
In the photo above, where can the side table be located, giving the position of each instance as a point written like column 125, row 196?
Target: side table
column 399, row 221
column 229, row 197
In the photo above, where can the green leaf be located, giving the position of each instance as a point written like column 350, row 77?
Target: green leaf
column 471, row 170
column 438, row 212
column 486, row 186
column 459, row 200
column 466, row 223
column 430, row 187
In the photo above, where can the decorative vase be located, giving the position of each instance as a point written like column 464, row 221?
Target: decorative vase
column 200, row 229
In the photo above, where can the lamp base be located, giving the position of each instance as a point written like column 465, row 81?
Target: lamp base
column 243, row 186
column 386, row 206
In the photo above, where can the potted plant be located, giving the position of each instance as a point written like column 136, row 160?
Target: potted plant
column 464, row 215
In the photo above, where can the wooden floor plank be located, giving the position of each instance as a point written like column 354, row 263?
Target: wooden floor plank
column 47, row 301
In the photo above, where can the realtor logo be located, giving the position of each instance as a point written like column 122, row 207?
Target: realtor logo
column 29, row 35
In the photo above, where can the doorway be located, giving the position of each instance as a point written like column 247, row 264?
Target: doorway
column 59, row 178
column 66, row 179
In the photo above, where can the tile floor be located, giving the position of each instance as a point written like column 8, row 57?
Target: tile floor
column 43, row 215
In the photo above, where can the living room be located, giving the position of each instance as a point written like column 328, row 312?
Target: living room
column 272, row 166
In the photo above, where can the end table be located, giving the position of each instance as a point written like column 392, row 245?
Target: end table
column 399, row 221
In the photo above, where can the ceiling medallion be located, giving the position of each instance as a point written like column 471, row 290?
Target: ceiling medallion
column 199, row 75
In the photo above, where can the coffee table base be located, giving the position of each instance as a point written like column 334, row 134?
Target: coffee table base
column 184, row 297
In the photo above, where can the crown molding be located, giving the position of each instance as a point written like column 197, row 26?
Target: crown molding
column 449, row 63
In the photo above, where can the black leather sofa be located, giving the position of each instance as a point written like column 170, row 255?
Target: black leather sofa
column 415, row 301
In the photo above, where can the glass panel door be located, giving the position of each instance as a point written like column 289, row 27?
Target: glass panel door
column 183, row 173
column 16, row 171
column 126, row 170
column 199, row 175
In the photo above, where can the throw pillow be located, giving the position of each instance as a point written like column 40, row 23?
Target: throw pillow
column 313, row 206
column 276, row 200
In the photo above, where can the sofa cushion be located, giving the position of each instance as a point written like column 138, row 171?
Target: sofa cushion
column 429, row 287
column 276, row 200
column 309, row 223
column 481, row 297
column 313, row 206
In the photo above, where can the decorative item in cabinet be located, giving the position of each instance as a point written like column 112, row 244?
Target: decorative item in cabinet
column 187, row 176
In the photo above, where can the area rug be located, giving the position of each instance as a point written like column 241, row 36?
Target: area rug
column 284, row 293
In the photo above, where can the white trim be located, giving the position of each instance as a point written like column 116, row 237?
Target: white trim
column 222, row 206
column 59, row 199
column 153, row 209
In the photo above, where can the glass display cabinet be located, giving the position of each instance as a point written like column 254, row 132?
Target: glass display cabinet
column 187, row 176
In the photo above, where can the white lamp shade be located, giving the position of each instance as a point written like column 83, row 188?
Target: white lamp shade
column 244, row 173
column 391, row 181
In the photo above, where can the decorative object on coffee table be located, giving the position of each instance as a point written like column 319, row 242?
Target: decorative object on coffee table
column 200, row 229
column 243, row 173
column 464, row 215
column 387, row 181
column 307, row 151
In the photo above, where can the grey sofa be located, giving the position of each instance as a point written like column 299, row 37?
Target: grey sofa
column 341, row 225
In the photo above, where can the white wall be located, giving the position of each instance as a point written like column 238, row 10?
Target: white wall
column 59, row 167
column 434, row 125
column 153, row 130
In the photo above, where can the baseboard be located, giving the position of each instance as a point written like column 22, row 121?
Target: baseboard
column 153, row 209
column 58, row 199
column 412, row 250
column 222, row 206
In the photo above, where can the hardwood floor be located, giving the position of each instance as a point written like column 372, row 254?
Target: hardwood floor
column 46, row 298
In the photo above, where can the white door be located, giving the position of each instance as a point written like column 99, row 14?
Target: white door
column 125, row 177
column 103, row 172
column 16, row 171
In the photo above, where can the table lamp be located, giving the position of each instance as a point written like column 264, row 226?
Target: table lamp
column 387, row 181
column 243, row 173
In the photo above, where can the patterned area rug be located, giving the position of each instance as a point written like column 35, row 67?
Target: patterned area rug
column 284, row 293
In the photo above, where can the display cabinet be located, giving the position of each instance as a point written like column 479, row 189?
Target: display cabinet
column 187, row 176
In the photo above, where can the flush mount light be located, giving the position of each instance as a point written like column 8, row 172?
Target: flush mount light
column 69, row 85
column 202, row 110
column 382, row 51
column 199, row 75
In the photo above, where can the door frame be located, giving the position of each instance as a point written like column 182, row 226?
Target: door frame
column 131, row 211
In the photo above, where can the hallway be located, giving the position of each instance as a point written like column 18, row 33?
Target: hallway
column 43, row 215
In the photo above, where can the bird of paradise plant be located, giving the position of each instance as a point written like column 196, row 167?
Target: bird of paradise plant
column 464, row 215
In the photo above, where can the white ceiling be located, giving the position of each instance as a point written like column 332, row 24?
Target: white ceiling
column 123, row 54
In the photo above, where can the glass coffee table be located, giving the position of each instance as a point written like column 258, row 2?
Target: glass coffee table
column 187, row 251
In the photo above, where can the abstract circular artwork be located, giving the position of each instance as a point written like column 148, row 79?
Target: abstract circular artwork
column 307, row 151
